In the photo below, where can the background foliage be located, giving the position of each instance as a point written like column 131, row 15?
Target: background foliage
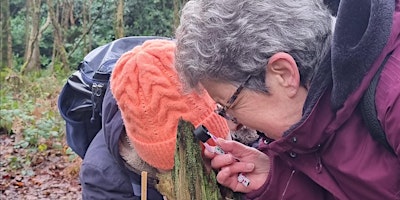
column 141, row 17
column 28, row 96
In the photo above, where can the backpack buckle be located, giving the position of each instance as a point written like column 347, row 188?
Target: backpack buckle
column 97, row 96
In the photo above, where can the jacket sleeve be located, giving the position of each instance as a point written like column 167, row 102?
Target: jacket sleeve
column 285, row 182
column 100, row 184
column 101, row 177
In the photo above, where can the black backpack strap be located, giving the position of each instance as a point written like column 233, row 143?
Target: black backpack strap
column 368, row 110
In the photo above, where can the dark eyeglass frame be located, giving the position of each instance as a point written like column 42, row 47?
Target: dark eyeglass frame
column 221, row 110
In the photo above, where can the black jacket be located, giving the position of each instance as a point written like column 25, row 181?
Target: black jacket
column 103, row 173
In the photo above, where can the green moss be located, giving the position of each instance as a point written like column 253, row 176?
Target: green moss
column 189, row 173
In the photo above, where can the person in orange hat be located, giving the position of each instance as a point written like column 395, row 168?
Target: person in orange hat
column 147, row 89
column 141, row 111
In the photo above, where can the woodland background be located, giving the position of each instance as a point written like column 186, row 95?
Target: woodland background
column 41, row 43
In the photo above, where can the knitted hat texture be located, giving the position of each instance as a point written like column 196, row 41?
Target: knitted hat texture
column 148, row 92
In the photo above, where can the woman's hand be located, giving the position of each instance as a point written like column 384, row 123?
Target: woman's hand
column 239, row 158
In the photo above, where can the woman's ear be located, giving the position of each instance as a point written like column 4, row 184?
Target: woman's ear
column 282, row 68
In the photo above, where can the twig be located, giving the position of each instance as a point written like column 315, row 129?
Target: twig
column 100, row 13
column 144, row 185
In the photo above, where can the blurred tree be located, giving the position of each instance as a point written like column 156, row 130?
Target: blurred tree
column 47, row 33
column 119, row 19
column 58, row 48
column 82, row 35
column 5, row 38
column 150, row 17
column 86, row 21
column 178, row 4
column 32, row 53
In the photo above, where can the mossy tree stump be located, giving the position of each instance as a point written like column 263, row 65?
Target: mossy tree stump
column 189, row 179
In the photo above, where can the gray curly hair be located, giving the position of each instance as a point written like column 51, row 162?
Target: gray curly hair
column 228, row 40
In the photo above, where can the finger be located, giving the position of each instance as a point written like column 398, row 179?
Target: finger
column 222, row 160
column 241, row 167
column 233, row 147
column 228, row 179
column 209, row 154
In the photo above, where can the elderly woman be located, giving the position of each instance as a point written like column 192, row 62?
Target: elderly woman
column 276, row 67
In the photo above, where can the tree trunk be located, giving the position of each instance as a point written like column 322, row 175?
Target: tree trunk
column 90, row 36
column 58, row 38
column 86, row 21
column 119, row 20
column 71, row 13
column 178, row 5
column 42, row 29
column 66, row 12
column 85, row 17
column 5, row 38
column 189, row 178
column 28, row 20
column 32, row 53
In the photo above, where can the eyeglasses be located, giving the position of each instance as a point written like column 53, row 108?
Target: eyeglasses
column 221, row 110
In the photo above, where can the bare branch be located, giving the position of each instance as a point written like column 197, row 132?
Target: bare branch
column 88, row 30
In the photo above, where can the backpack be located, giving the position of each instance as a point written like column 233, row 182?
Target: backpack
column 81, row 98
column 368, row 110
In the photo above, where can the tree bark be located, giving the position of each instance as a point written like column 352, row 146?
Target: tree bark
column 71, row 13
column 32, row 52
column 42, row 29
column 178, row 5
column 58, row 38
column 189, row 179
column 28, row 20
column 85, row 21
column 5, row 38
column 119, row 20
column 90, row 36
column 66, row 12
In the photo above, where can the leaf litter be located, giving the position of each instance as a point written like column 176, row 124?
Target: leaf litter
column 50, row 173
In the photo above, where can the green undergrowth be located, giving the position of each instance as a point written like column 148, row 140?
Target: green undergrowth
column 29, row 114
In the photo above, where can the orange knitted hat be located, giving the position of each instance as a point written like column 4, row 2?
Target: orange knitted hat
column 148, row 92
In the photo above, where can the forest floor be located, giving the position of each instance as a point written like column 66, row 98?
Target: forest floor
column 35, row 161
column 49, row 174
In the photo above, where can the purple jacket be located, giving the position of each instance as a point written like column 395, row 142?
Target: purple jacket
column 330, row 153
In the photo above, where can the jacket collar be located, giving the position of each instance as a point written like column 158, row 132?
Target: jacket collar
column 359, row 38
column 361, row 31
